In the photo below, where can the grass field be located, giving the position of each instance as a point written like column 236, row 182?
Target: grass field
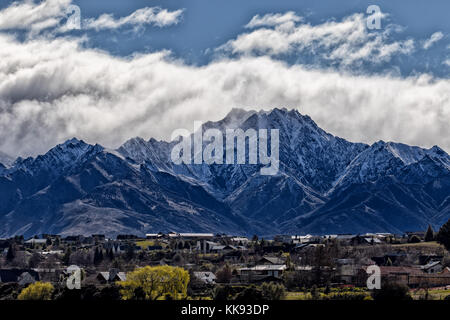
column 431, row 244
column 144, row 244
column 433, row 294
column 298, row 296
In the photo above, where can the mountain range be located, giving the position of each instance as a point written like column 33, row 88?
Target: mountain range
column 325, row 185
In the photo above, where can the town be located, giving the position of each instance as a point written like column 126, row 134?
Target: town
column 223, row 267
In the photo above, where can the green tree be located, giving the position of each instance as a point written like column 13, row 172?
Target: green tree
column 414, row 239
column 429, row 235
column 66, row 257
column 11, row 253
column 98, row 256
column 251, row 293
column 443, row 236
column 110, row 254
column 273, row 291
column 391, row 291
column 130, row 252
column 37, row 291
column 156, row 283
column 224, row 275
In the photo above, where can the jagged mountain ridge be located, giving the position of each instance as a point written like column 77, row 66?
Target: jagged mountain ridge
column 325, row 185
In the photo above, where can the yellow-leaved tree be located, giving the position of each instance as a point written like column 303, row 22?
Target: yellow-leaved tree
column 155, row 283
column 37, row 291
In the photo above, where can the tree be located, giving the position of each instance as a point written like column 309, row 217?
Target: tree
column 273, row 291
column 11, row 253
column 429, row 235
column 414, row 239
column 156, row 283
column 98, row 256
column 130, row 252
column 66, row 257
column 391, row 291
column 251, row 293
column 110, row 254
column 224, row 275
column 443, row 236
column 37, row 291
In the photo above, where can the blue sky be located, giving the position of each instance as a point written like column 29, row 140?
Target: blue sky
column 207, row 24
column 144, row 68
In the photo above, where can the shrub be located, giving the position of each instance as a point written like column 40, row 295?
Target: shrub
column 273, row 291
column 155, row 283
column 392, row 291
column 443, row 236
column 37, row 291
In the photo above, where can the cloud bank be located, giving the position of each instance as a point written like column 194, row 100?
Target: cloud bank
column 50, row 15
column 54, row 88
column 435, row 37
column 155, row 16
column 344, row 42
column 51, row 90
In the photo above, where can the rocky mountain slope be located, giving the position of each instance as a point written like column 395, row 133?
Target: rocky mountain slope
column 325, row 185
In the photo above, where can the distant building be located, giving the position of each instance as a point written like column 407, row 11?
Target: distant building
column 283, row 238
column 433, row 267
column 154, row 236
column 261, row 271
column 206, row 277
column 111, row 276
column 267, row 260
column 239, row 240
column 34, row 241
column 21, row 276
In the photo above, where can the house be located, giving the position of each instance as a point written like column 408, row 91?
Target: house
column 99, row 237
column 50, row 252
column 21, row 276
column 426, row 258
column 390, row 258
column 196, row 236
column 206, row 277
column 346, row 270
column 222, row 248
column 206, row 246
column 154, row 236
column 306, row 239
column 266, row 260
column 262, row 271
column 283, row 238
column 345, row 238
column 433, row 267
column 112, row 276
column 72, row 239
column 366, row 239
column 34, row 241
column 239, row 241
column 413, row 276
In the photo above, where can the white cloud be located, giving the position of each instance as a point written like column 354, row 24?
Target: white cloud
column 154, row 16
column 273, row 19
column 344, row 42
column 33, row 16
column 435, row 37
column 51, row 90
column 49, row 15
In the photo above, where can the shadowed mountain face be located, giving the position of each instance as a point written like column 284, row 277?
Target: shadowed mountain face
column 325, row 185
